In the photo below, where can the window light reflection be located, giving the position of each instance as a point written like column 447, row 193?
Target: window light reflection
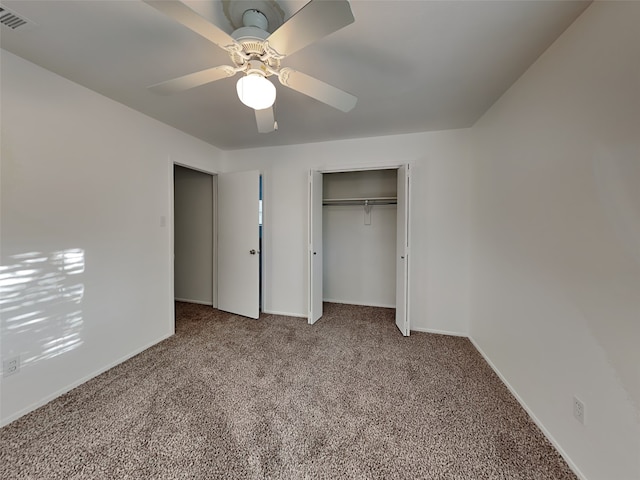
column 40, row 298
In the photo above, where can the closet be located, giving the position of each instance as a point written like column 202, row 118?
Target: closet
column 358, row 231
column 359, row 237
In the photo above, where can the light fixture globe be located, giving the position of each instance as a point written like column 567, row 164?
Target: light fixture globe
column 256, row 91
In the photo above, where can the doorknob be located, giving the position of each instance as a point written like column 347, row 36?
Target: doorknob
column 252, row 251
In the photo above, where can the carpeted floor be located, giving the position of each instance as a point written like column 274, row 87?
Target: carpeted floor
column 229, row 397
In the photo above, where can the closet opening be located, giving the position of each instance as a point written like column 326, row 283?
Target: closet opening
column 358, row 240
column 359, row 237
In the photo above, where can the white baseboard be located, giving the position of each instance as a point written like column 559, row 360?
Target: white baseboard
column 304, row 315
column 343, row 302
column 535, row 419
column 285, row 314
column 71, row 386
column 440, row 332
column 199, row 302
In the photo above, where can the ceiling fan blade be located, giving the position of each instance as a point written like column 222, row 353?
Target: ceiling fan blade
column 317, row 89
column 315, row 20
column 190, row 19
column 265, row 120
column 193, row 80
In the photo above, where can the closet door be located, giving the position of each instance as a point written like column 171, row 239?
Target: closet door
column 238, row 243
column 315, row 246
column 402, row 251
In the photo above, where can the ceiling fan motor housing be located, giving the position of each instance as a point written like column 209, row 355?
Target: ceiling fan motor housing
column 255, row 18
column 250, row 34
column 252, row 37
column 236, row 13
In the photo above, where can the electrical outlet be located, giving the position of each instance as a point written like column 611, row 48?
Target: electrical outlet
column 10, row 366
column 578, row 409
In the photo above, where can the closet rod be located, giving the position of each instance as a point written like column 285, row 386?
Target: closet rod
column 361, row 201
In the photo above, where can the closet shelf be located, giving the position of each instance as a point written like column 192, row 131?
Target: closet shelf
column 361, row 201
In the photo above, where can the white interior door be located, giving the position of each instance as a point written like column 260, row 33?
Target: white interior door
column 315, row 246
column 238, row 243
column 402, row 250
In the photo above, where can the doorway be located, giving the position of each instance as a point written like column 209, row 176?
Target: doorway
column 217, row 231
column 194, row 239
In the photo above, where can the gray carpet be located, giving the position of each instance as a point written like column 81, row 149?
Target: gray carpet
column 229, row 397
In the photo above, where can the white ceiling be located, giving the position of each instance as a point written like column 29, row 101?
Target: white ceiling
column 414, row 65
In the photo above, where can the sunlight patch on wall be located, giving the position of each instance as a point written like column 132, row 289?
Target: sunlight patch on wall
column 40, row 304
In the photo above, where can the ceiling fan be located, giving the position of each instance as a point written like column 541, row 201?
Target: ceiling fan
column 258, row 54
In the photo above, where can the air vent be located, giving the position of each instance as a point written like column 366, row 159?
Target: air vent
column 13, row 21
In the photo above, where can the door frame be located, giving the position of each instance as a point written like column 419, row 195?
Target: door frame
column 214, row 223
column 358, row 168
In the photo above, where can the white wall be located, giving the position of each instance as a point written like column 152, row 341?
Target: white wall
column 193, row 236
column 86, row 199
column 439, row 218
column 556, row 259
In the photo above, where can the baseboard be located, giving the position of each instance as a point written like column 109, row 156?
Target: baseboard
column 71, row 386
column 300, row 315
column 187, row 300
column 285, row 314
column 343, row 302
column 535, row 419
column 439, row 332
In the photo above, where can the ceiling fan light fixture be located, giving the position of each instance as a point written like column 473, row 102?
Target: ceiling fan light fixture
column 256, row 92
